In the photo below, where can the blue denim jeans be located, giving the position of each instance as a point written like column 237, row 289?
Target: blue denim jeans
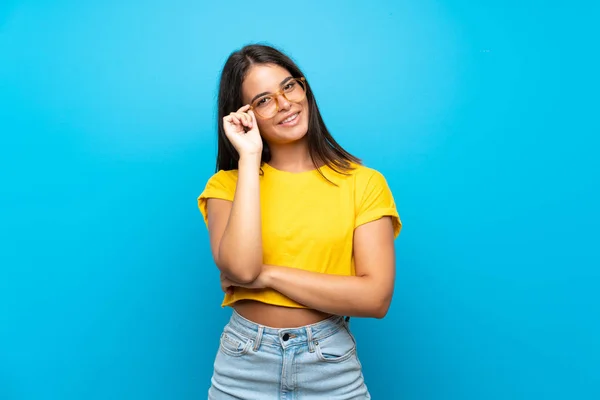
column 317, row 361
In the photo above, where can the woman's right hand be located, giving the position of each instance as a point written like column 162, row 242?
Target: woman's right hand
column 242, row 131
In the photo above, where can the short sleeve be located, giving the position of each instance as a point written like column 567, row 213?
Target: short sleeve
column 376, row 201
column 220, row 186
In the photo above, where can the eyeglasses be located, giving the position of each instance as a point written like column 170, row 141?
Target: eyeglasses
column 267, row 106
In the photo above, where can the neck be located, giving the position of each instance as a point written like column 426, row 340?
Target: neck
column 291, row 157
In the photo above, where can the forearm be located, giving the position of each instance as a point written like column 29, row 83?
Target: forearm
column 240, row 249
column 359, row 296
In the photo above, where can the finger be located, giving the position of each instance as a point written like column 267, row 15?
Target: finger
column 251, row 123
column 243, row 117
column 229, row 289
column 253, row 117
column 235, row 120
column 247, row 119
column 227, row 119
column 224, row 285
column 244, row 108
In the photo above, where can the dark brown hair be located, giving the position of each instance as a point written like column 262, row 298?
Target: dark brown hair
column 322, row 147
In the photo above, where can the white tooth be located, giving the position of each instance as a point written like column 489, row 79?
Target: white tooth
column 290, row 118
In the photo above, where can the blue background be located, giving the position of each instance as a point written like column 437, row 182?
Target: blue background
column 483, row 116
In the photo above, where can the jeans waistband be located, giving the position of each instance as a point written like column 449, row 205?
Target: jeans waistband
column 286, row 337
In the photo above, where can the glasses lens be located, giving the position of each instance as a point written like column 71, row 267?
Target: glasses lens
column 265, row 106
column 294, row 90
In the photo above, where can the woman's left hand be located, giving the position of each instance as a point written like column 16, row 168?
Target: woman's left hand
column 227, row 285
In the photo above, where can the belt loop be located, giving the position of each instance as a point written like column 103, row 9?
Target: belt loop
column 309, row 338
column 258, row 338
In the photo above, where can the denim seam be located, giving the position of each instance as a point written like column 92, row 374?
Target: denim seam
column 232, row 353
column 340, row 359
column 283, row 377
column 294, row 374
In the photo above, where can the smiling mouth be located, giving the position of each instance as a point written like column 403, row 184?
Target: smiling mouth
column 290, row 119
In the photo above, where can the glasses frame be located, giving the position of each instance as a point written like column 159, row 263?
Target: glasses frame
column 276, row 95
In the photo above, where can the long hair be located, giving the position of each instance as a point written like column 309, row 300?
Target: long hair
column 322, row 147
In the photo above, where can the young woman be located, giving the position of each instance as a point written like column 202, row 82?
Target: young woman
column 302, row 233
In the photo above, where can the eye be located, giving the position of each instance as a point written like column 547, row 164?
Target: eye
column 263, row 101
column 289, row 86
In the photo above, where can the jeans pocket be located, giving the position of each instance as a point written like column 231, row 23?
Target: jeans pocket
column 336, row 348
column 234, row 344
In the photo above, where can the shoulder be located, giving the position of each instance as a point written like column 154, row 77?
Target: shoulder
column 364, row 176
column 364, row 171
column 224, row 178
column 370, row 185
column 221, row 185
column 374, row 198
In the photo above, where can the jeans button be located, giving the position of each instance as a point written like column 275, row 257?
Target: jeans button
column 286, row 337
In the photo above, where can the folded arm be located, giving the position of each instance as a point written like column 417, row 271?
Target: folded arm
column 235, row 227
column 368, row 294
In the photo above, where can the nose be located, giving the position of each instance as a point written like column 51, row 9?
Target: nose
column 284, row 104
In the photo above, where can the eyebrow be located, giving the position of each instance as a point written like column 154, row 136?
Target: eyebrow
column 265, row 93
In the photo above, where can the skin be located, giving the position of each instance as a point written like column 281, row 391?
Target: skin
column 235, row 229
column 288, row 145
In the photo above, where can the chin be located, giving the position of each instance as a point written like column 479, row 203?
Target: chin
column 291, row 135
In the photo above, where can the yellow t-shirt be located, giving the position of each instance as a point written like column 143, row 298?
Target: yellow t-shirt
column 307, row 222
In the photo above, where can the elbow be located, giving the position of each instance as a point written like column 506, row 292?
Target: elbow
column 380, row 313
column 247, row 276
column 241, row 272
column 239, row 268
column 380, row 308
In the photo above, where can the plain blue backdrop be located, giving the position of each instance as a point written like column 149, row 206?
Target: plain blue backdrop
column 483, row 116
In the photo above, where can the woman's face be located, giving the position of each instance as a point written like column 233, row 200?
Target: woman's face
column 290, row 123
